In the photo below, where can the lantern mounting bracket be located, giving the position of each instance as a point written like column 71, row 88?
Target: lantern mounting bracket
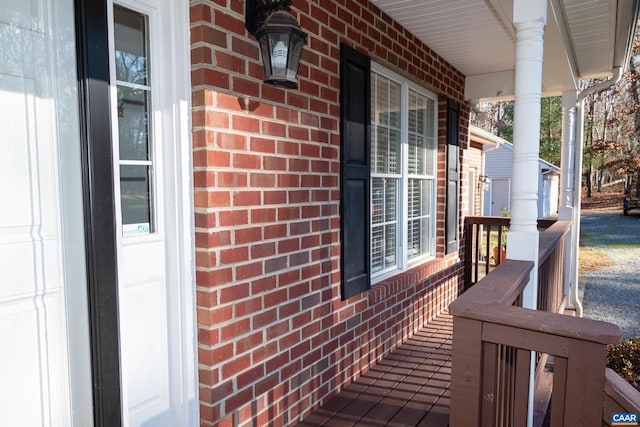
column 257, row 11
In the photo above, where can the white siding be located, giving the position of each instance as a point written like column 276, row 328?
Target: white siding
column 499, row 165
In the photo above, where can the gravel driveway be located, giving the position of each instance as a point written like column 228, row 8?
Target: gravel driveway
column 613, row 293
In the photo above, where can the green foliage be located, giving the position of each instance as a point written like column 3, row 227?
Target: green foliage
column 624, row 358
column 551, row 129
column 504, row 126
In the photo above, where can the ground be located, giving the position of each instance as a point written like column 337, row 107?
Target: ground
column 610, row 264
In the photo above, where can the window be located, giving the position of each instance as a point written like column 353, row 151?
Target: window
column 134, row 121
column 403, row 156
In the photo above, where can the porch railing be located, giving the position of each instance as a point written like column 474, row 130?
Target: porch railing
column 484, row 237
column 493, row 341
column 551, row 266
column 619, row 396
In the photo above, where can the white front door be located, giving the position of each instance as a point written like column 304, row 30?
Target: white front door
column 45, row 371
column 152, row 283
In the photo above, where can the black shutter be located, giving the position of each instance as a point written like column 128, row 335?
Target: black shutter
column 453, row 143
column 355, row 167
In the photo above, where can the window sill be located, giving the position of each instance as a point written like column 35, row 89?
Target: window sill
column 409, row 278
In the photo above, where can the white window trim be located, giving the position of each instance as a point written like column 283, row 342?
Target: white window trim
column 402, row 257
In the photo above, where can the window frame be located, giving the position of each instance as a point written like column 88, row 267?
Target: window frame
column 402, row 261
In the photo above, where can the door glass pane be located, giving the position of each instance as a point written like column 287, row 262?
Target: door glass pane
column 134, row 108
column 135, row 183
column 133, row 126
column 130, row 31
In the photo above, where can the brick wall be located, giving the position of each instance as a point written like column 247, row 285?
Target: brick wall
column 275, row 340
column 474, row 160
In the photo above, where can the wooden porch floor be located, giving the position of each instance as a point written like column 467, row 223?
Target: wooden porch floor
column 409, row 387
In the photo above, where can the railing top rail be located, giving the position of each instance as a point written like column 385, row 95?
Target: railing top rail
column 487, row 220
column 621, row 391
column 504, row 221
column 490, row 300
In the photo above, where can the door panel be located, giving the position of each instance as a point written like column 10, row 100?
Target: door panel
column 45, row 362
column 500, row 196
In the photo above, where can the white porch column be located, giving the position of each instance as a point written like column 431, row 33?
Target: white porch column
column 567, row 163
column 567, row 166
column 577, row 196
column 529, row 17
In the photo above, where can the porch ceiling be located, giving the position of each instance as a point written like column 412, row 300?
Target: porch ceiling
column 583, row 38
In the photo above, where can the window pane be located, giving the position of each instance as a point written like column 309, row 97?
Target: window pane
column 135, row 197
column 391, row 199
column 377, row 253
column 384, row 203
column 419, row 238
column 133, row 123
column 130, row 33
column 386, row 125
column 391, row 247
column 377, row 200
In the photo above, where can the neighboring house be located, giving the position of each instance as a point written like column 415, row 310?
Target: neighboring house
column 183, row 244
column 499, row 171
column 481, row 142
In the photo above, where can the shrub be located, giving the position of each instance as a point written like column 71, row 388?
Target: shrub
column 624, row 358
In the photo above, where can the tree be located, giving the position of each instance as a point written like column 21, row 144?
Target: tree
column 612, row 129
column 551, row 129
column 497, row 118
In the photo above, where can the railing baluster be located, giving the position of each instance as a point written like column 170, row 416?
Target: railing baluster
column 559, row 391
column 491, row 375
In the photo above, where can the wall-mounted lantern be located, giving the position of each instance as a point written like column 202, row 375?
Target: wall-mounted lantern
column 281, row 39
column 484, row 181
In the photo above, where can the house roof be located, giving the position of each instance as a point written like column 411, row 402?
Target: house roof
column 486, row 138
column 548, row 168
column 583, row 38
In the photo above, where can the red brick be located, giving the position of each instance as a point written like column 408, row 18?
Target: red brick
column 247, row 198
column 261, row 320
column 235, row 329
column 205, row 220
column 209, row 35
column 245, row 86
column 227, row 21
column 234, row 217
column 232, row 179
column 234, row 255
column 275, row 231
column 263, row 145
column 216, row 277
column 200, row 12
column 246, row 161
column 249, row 270
column 231, row 141
column 245, row 124
column 274, row 129
column 263, row 250
column 274, row 298
column 288, row 180
column 263, row 215
column 248, row 343
column 274, row 163
column 276, row 197
column 248, row 235
column 262, row 180
column 234, row 293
